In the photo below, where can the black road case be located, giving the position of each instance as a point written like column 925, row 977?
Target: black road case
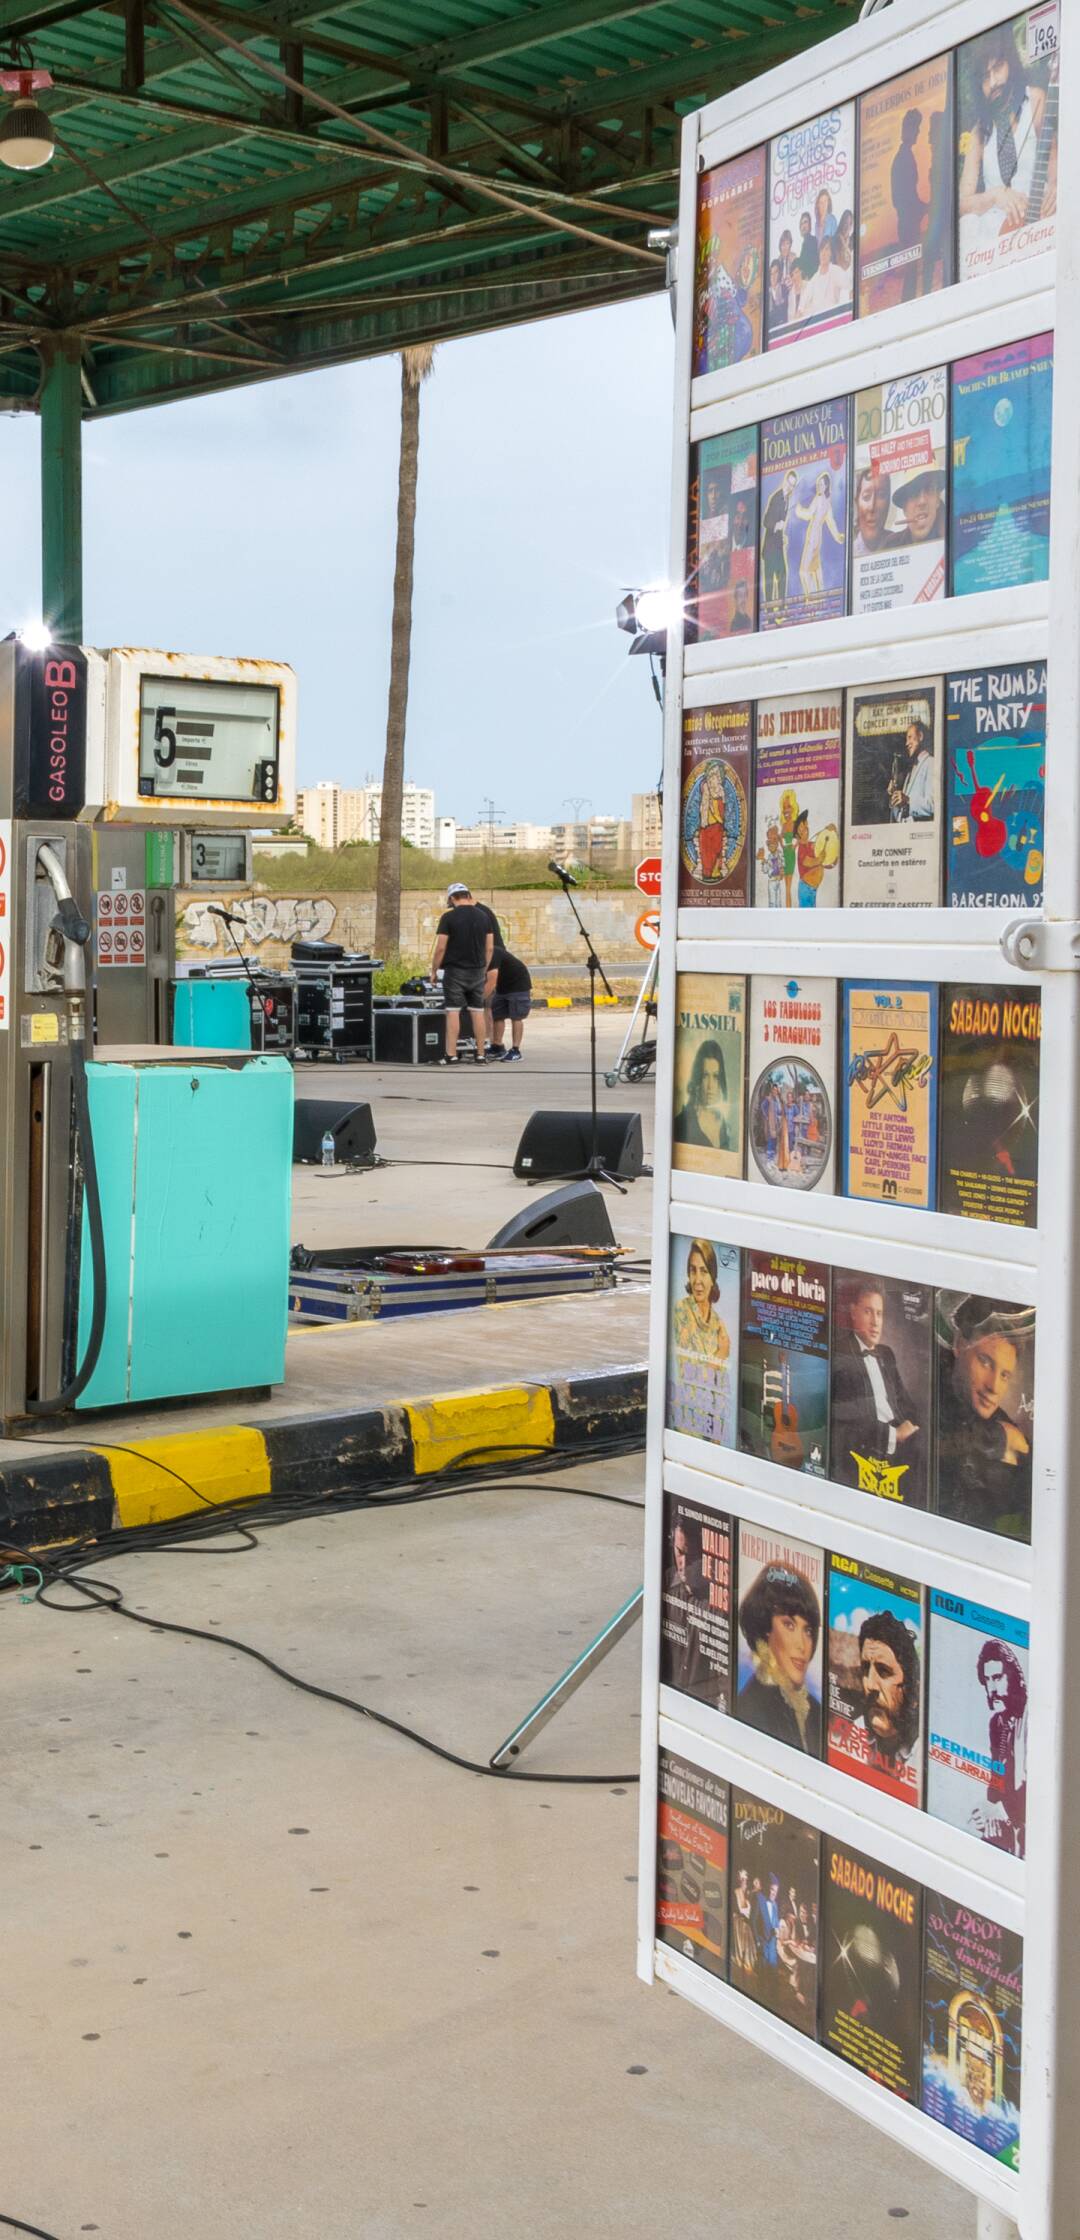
column 409, row 1037
column 333, row 1003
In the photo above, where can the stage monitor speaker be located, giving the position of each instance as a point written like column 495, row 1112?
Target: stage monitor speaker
column 351, row 1126
column 560, row 1143
column 576, row 1214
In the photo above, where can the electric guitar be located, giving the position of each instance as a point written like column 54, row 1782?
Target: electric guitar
column 1048, row 131
column 981, row 231
column 991, row 833
column 781, row 1416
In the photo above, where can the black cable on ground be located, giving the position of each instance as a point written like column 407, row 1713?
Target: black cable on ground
column 15, row 2225
column 176, row 1537
column 111, row 1599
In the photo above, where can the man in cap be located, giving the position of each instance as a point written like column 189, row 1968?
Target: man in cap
column 463, row 948
column 454, row 892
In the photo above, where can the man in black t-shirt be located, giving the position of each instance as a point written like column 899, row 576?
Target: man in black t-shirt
column 509, row 996
column 463, row 947
column 459, row 891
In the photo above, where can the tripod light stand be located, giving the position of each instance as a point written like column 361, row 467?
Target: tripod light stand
column 594, row 1169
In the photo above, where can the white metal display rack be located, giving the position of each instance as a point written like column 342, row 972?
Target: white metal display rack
column 1037, row 1584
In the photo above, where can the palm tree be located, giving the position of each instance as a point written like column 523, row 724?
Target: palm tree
column 416, row 364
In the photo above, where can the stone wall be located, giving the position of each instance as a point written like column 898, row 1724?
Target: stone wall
column 539, row 926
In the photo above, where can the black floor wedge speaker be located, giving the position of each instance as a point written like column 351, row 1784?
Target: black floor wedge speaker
column 576, row 1214
column 560, row 1143
column 351, row 1126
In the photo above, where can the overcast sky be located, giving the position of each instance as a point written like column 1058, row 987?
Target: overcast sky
column 262, row 522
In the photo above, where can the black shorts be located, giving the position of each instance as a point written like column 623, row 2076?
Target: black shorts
column 464, row 988
column 511, row 1007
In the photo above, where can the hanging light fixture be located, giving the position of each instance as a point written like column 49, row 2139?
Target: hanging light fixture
column 26, row 134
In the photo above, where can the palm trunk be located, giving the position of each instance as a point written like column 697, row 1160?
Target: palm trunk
column 415, row 365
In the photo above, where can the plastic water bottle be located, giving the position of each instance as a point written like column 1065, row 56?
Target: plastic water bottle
column 328, row 1149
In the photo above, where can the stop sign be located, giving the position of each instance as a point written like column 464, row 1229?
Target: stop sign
column 647, row 876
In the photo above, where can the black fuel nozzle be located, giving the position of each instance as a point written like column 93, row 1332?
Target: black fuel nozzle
column 70, row 923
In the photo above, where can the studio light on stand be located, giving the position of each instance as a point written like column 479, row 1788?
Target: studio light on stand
column 27, row 140
column 647, row 616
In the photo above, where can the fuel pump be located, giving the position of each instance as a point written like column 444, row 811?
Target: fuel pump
column 73, row 932
column 144, row 1191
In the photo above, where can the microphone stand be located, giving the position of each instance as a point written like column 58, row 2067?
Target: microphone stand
column 594, row 1170
column 226, row 917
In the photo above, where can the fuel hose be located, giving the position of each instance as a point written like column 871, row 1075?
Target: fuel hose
column 75, row 931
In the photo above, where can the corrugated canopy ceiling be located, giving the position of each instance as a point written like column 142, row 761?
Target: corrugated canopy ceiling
column 245, row 189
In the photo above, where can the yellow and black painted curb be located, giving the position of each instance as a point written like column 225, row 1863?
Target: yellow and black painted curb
column 74, row 1493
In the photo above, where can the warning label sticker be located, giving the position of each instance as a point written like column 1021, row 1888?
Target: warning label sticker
column 121, row 927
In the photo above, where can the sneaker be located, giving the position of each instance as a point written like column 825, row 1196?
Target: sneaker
column 449, row 1061
column 511, row 1057
column 479, row 1059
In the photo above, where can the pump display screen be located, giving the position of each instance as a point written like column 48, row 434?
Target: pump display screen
column 208, row 740
column 219, row 858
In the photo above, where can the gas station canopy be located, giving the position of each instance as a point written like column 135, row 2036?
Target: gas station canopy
column 244, row 190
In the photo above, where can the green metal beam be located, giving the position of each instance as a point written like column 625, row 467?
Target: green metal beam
column 261, row 200
column 327, row 342
column 298, row 263
column 355, row 252
column 526, row 27
column 21, row 19
column 711, row 68
column 287, row 20
column 61, row 491
column 18, row 20
column 298, row 190
column 349, row 260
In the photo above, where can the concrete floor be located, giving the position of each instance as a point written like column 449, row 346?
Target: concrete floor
column 274, row 1974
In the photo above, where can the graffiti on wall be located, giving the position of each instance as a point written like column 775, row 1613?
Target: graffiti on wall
column 537, row 927
column 265, row 917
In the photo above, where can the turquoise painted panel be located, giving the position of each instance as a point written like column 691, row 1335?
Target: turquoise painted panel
column 213, row 1193
column 205, row 1154
column 211, row 1015
column 112, row 1119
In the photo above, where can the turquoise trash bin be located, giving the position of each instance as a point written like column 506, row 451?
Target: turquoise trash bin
column 194, row 1168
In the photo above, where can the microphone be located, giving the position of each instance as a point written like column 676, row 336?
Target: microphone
column 562, row 873
column 229, row 916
